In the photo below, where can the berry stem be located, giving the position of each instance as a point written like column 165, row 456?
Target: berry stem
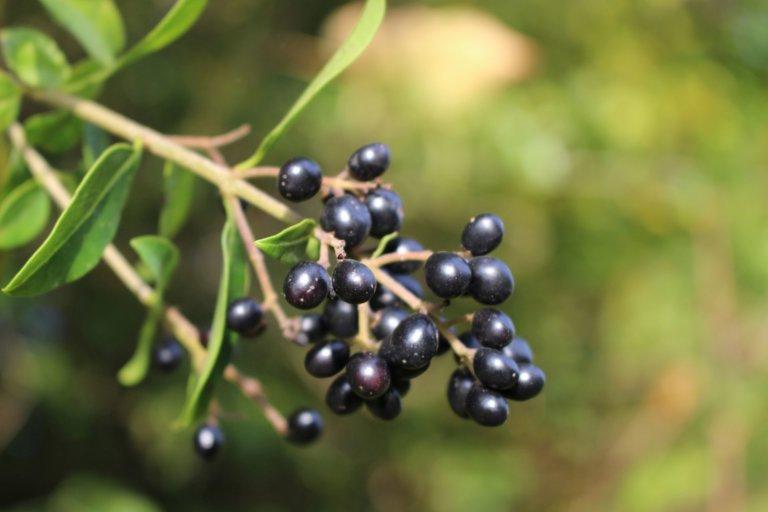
column 216, row 141
column 329, row 182
column 363, row 338
column 395, row 257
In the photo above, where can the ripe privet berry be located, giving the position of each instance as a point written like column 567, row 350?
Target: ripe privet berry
column 306, row 285
column 386, row 209
column 400, row 373
column 529, row 384
column 447, row 275
column 299, row 179
column 369, row 375
column 402, row 386
column 486, row 407
column 387, row 406
column 369, row 162
column 208, row 440
column 341, row 318
column 348, row 219
column 459, row 384
column 520, row 351
column 388, row 320
column 244, row 316
column 353, row 282
column 492, row 328
column 311, row 328
column 401, row 245
column 168, row 355
column 340, row 397
column 384, row 298
column 492, row 282
column 327, row 359
column 413, row 343
column 494, row 369
column 304, row 426
column 483, row 234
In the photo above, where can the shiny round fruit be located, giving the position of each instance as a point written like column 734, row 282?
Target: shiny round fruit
column 459, row 384
column 483, row 234
column 492, row 328
column 492, row 282
column 347, row 218
column 401, row 245
column 369, row 375
column 413, row 343
column 486, row 407
column 494, row 369
column 299, row 179
column 369, row 162
column 327, row 359
column 168, row 355
column 306, row 285
column 388, row 320
column 311, row 328
column 353, row 282
column 340, row 397
column 447, row 274
column 519, row 350
column 386, row 209
column 387, row 406
column 304, row 426
column 208, row 440
column 244, row 316
column 341, row 318
column 529, row 384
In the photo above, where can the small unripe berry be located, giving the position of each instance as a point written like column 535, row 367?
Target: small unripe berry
column 353, row 282
column 492, row 328
column 387, row 406
column 447, row 274
column 492, row 282
column 401, row 245
column 519, row 350
column 369, row 375
column 494, row 369
column 304, row 426
column 459, row 384
column 347, row 218
column 311, row 328
column 369, row 162
column 340, row 397
column 208, row 440
column 341, row 318
column 244, row 316
column 327, row 359
column 529, row 384
column 386, row 209
column 483, row 234
column 306, row 285
column 168, row 355
column 299, row 179
column 486, row 407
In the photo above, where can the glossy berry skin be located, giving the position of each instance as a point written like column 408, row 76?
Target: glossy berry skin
column 306, row 285
column 311, row 329
column 413, row 342
column 520, row 351
column 492, row 328
column 384, row 298
column 402, row 245
column 483, row 234
column 492, row 282
column 353, row 282
column 401, row 373
column 340, row 398
column 244, row 316
column 529, row 384
column 341, row 318
column 304, row 426
column 299, row 179
column 389, row 319
column 327, row 359
column 486, row 407
column 386, row 209
column 208, row 440
column 387, row 406
column 369, row 375
column 347, row 218
column 402, row 386
column 459, row 384
column 168, row 355
column 369, row 162
column 447, row 274
column 494, row 369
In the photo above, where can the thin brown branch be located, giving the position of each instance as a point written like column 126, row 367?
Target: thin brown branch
column 215, row 141
column 328, row 182
column 395, row 257
column 364, row 339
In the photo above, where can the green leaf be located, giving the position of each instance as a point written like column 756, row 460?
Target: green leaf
column 233, row 284
column 179, row 19
column 179, row 190
column 161, row 257
column 96, row 24
column 95, row 142
column 53, row 132
column 34, row 57
column 348, row 52
column 10, row 101
column 84, row 229
column 87, row 78
column 383, row 244
column 24, row 214
column 293, row 244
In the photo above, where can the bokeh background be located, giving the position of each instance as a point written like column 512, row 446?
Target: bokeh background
column 625, row 145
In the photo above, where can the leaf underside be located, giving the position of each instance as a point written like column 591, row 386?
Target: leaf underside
column 293, row 244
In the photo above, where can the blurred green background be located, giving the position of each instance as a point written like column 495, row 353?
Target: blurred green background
column 625, row 145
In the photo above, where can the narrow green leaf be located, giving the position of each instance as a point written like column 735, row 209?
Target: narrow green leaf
column 176, row 22
column 96, row 24
column 87, row 78
column 53, row 132
column 84, row 229
column 293, row 244
column 10, row 101
column 24, row 214
column 95, row 142
column 348, row 52
column 34, row 57
column 179, row 190
column 383, row 244
column 160, row 257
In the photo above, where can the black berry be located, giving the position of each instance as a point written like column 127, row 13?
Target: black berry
column 529, row 384
column 447, row 274
column 353, row 282
column 299, row 179
column 401, row 373
column 311, row 328
column 168, row 355
column 340, row 397
column 492, row 282
column 369, row 375
column 401, row 245
column 459, row 384
column 341, row 318
column 492, row 328
column 208, row 440
column 327, row 359
column 388, row 320
column 306, row 285
column 304, row 426
column 384, row 298
column 494, row 369
column 387, row 406
column 483, row 234
column 486, row 407
column 347, row 218
column 244, row 316
column 402, row 386
column 386, row 209
column 413, row 342
column 369, row 162
column 520, row 351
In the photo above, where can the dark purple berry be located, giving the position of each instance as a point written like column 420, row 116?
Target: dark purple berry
column 400, row 373
column 402, row 386
column 494, row 369
column 208, row 440
column 168, row 355
column 369, row 375
column 413, row 343
column 492, row 328
column 401, row 245
column 369, row 162
column 347, row 218
column 353, row 282
column 529, row 384
column 304, row 426
column 306, row 285
column 447, row 275
column 483, row 234
column 311, row 328
column 519, row 350
column 244, row 316
column 340, row 397
column 384, row 298
column 341, row 318
column 387, row 406
column 299, row 179
column 459, row 384
column 492, row 282
column 388, row 320
column 386, row 209
column 327, row 359
column 486, row 407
